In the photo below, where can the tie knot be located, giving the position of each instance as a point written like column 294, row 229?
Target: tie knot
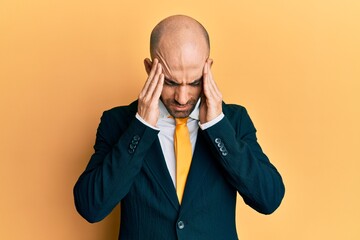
column 180, row 121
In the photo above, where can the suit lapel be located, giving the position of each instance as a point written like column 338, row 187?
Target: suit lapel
column 199, row 166
column 155, row 162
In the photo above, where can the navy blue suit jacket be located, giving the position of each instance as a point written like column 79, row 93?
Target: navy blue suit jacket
column 128, row 167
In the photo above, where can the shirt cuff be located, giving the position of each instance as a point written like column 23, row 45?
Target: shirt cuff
column 212, row 122
column 145, row 123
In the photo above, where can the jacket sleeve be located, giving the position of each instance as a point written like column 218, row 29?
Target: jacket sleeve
column 118, row 158
column 246, row 167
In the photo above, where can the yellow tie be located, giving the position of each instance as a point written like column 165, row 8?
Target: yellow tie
column 183, row 154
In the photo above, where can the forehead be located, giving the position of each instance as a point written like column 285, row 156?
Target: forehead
column 184, row 60
column 182, row 67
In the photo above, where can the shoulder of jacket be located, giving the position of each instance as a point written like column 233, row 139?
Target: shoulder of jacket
column 231, row 109
column 120, row 113
column 125, row 109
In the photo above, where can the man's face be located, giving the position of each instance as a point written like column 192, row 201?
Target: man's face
column 183, row 70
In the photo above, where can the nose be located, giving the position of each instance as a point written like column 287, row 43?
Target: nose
column 182, row 95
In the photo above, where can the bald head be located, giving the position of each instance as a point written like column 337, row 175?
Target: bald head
column 180, row 49
column 177, row 31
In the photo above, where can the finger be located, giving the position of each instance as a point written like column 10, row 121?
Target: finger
column 150, row 76
column 213, row 88
column 207, row 85
column 159, row 86
column 205, row 81
column 154, row 82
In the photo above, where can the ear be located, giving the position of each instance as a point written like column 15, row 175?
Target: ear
column 148, row 65
column 211, row 62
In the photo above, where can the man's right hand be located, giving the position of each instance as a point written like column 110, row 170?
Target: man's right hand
column 148, row 104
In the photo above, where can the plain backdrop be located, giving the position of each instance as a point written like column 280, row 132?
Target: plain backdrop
column 295, row 65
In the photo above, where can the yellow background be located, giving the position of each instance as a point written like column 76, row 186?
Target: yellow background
column 294, row 64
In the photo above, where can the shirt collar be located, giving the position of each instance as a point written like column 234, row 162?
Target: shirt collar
column 194, row 114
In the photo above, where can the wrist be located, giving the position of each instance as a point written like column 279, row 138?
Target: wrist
column 153, row 126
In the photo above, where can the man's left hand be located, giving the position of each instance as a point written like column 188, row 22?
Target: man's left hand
column 211, row 100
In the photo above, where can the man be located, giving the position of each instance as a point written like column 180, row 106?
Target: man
column 135, row 162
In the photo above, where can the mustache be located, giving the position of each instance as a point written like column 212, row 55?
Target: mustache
column 190, row 102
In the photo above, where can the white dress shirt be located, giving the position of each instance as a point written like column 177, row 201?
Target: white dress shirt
column 166, row 125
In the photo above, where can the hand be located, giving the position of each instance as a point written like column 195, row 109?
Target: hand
column 211, row 100
column 148, row 104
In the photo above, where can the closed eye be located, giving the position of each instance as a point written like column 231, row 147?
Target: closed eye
column 196, row 83
column 170, row 83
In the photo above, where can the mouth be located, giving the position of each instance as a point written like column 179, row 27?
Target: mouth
column 181, row 107
column 180, row 110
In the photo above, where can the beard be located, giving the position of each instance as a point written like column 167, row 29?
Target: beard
column 177, row 110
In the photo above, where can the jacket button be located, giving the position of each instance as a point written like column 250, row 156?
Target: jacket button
column 181, row 225
column 218, row 140
column 220, row 145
